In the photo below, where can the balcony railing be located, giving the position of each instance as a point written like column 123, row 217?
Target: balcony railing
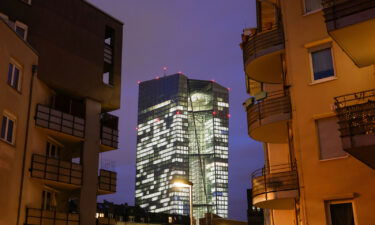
column 59, row 121
column 107, row 181
column 109, row 130
column 260, row 43
column 273, row 109
column 39, row 216
column 106, row 221
column 338, row 9
column 356, row 114
column 57, row 170
column 108, row 53
column 274, row 179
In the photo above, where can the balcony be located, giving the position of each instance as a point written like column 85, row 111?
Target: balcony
column 56, row 172
column 107, row 182
column 60, row 123
column 108, row 52
column 351, row 24
column 267, row 119
column 106, row 221
column 39, row 216
column 356, row 114
column 275, row 187
column 108, row 132
column 262, row 55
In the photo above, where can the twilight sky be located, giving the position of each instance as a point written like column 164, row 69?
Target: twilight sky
column 200, row 38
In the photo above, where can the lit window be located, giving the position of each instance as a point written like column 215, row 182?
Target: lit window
column 322, row 64
column 329, row 138
column 21, row 29
column 8, row 129
column 312, row 5
column 14, row 76
column 340, row 213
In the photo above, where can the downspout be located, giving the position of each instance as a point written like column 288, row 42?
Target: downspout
column 33, row 73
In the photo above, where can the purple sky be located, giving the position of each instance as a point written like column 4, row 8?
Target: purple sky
column 200, row 38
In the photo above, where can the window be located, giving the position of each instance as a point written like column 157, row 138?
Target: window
column 8, row 129
column 21, row 29
column 52, row 150
column 329, row 139
column 312, row 5
column 49, row 200
column 26, row 1
column 340, row 213
column 322, row 64
column 14, row 76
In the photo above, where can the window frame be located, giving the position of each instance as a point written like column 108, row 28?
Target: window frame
column 305, row 13
column 20, row 75
column 316, row 49
column 319, row 152
column 5, row 138
column 23, row 26
column 328, row 203
column 58, row 148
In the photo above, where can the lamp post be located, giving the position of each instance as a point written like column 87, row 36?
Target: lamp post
column 183, row 183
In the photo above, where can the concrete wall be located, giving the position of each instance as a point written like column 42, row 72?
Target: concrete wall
column 343, row 178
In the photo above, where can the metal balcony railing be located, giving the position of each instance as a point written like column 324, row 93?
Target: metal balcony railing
column 53, row 169
column 356, row 113
column 106, row 221
column 39, row 217
column 54, row 119
column 107, row 180
column 109, row 130
column 261, row 41
column 276, row 178
column 108, row 53
column 276, row 103
column 337, row 9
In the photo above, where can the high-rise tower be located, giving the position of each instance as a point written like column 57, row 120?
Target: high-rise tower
column 182, row 133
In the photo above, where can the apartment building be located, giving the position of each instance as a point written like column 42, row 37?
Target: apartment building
column 60, row 76
column 309, row 69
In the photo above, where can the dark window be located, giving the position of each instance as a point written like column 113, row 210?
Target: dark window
column 322, row 64
column 13, row 76
column 7, row 129
column 341, row 214
column 3, row 127
column 21, row 32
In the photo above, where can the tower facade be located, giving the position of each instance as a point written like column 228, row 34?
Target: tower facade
column 182, row 133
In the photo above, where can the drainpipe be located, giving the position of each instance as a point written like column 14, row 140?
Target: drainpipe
column 33, row 74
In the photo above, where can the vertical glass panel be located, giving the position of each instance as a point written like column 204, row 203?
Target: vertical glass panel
column 10, row 72
column 10, row 131
column 322, row 64
column 16, row 78
column 3, row 126
column 47, row 149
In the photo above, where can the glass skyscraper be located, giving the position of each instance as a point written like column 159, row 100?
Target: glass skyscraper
column 182, row 133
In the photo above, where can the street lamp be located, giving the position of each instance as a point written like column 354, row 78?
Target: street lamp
column 183, row 183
